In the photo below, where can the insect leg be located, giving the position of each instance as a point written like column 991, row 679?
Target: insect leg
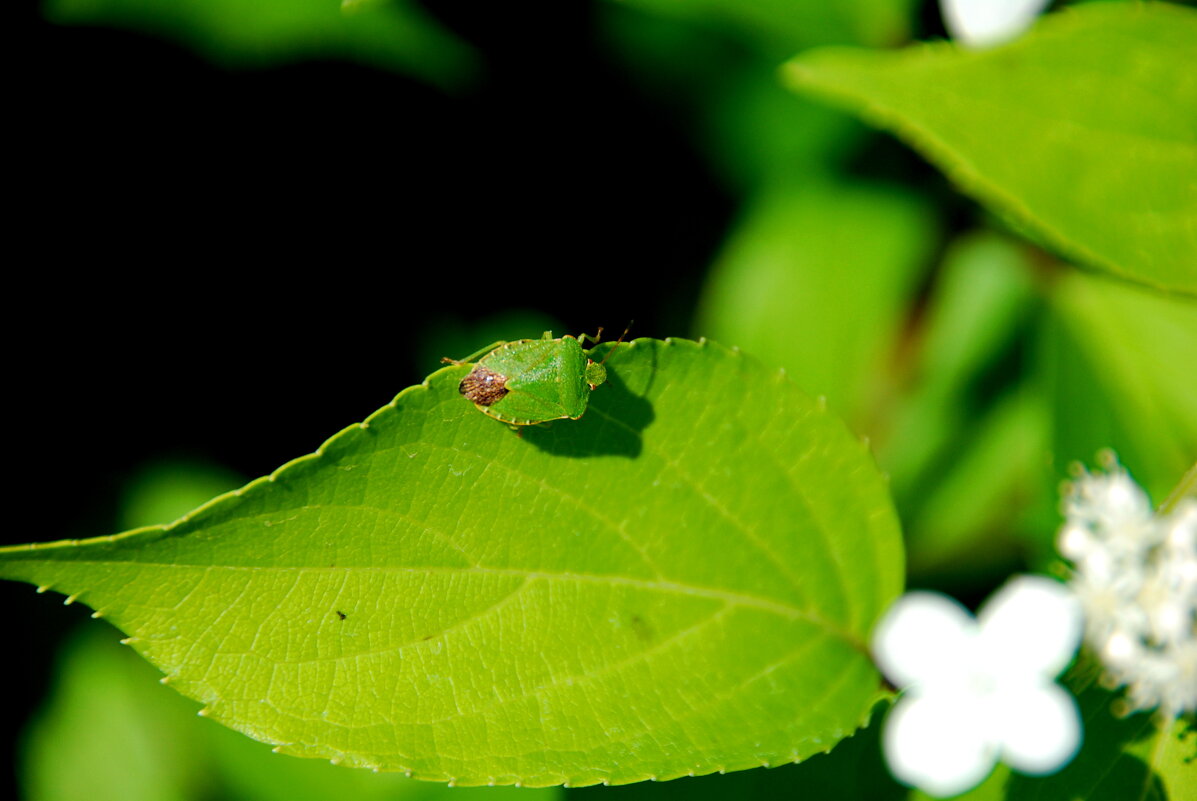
column 594, row 340
column 473, row 356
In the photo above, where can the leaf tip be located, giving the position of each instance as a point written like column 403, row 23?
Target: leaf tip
column 42, row 589
column 70, row 599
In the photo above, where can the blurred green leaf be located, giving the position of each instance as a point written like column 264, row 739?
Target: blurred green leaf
column 981, row 301
column 760, row 135
column 970, row 520
column 395, row 34
column 753, row 131
column 1085, row 129
column 111, row 732
column 779, row 27
column 624, row 596
column 818, row 279
column 1120, row 364
column 164, row 491
column 967, row 436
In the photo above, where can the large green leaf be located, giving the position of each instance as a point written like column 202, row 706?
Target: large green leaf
column 128, row 738
column 682, row 581
column 1085, row 129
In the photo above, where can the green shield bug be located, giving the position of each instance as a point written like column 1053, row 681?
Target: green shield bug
column 530, row 381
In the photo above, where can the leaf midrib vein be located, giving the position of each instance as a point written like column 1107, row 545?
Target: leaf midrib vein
column 744, row 599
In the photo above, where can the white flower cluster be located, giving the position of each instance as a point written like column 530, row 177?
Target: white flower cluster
column 1136, row 578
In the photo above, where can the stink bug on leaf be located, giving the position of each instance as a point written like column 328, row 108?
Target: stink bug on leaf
column 529, row 381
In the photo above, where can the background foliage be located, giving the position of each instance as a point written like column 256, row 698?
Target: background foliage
column 295, row 227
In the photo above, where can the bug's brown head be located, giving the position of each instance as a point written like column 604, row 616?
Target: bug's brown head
column 483, row 386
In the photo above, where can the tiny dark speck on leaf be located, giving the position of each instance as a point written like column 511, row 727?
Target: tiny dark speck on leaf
column 429, row 637
column 341, row 614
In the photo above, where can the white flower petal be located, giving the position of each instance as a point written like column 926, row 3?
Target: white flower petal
column 1040, row 728
column 980, row 23
column 1182, row 526
column 1076, row 542
column 1122, row 649
column 1031, row 626
column 922, row 636
column 1181, row 695
column 938, row 743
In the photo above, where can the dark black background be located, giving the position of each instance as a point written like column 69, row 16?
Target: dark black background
column 233, row 266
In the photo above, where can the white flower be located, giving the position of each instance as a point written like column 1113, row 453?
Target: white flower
column 1136, row 578
column 982, row 23
column 981, row 690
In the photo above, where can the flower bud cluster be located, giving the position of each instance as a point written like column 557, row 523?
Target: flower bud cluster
column 1136, row 579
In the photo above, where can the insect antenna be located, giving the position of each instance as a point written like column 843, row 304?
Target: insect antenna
column 621, row 336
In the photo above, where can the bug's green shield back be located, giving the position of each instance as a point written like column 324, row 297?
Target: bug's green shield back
column 545, row 380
